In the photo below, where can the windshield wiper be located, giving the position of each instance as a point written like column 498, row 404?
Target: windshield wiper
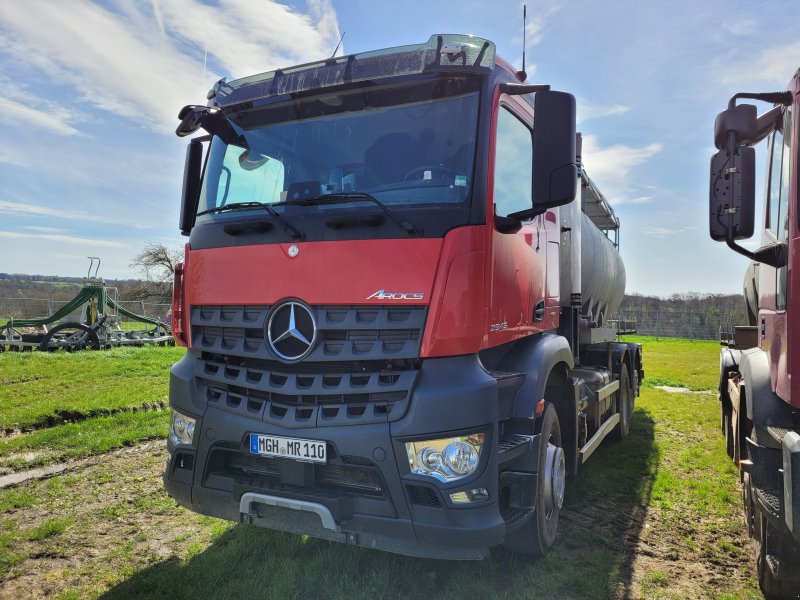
column 350, row 197
column 296, row 235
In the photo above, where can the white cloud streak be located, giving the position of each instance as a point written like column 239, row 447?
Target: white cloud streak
column 35, row 210
column 126, row 63
column 774, row 66
column 614, row 162
column 587, row 111
column 63, row 239
column 637, row 201
column 52, row 119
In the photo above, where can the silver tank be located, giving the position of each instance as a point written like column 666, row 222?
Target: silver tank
column 602, row 273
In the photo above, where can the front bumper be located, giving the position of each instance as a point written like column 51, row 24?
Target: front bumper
column 365, row 494
column 775, row 477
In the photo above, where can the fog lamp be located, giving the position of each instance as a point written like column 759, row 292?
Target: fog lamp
column 181, row 430
column 446, row 459
column 470, row 496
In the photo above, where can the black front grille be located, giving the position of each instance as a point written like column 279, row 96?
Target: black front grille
column 227, row 468
column 299, row 397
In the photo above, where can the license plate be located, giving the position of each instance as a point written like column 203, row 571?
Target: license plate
column 297, row 449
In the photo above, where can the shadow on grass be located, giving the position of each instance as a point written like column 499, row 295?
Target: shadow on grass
column 592, row 559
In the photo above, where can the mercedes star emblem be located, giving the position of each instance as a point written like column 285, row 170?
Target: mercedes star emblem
column 294, row 250
column 291, row 330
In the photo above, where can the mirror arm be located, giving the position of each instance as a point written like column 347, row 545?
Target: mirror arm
column 507, row 224
column 775, row 255
column 517, row 89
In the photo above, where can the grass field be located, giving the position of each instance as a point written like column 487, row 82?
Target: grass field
column 656, row 516
column 65, row 405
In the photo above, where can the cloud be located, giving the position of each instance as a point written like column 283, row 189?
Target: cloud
column 40, row 229
column 588, row 111
column 635, row 201
column 774, row 66
column 614, row 162
column 35, row 210
column 8, row 157
column 52, row 119
column 63, row 239
column 146, row 61
column 665, row 231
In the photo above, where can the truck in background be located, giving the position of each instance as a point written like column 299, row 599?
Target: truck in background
column 759, row 398
column 397, row 298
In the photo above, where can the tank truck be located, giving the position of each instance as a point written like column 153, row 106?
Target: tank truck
column 396, row 301
column 759, row 399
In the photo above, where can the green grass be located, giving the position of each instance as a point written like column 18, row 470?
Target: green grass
column 39, row 388
column 70, row 405
column 75, row 440
column 693, row 364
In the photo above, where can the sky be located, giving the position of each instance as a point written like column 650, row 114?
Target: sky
column 90, row 164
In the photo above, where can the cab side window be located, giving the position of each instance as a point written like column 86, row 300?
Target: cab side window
column 513, row 164
column 778, row 195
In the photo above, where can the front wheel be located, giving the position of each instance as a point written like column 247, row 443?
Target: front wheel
column 538, row 535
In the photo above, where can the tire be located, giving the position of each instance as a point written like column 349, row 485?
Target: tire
column 624, row 405
column 538, row 534
column 747, row 505
column 727, row 429
column 80, row 338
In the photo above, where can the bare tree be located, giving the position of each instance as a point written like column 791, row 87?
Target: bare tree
column 156, row 263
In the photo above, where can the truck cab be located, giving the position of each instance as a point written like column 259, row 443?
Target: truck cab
column 388, row 341
column 759, row 399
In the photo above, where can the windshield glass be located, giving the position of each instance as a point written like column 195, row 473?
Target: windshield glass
column 403, row 144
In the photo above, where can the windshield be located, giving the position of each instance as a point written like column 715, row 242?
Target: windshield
column 405, row 145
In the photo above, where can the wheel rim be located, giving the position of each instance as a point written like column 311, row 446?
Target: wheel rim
column 555, row 477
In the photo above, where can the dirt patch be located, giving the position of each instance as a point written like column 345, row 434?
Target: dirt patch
column 684, row 390
column 60, row 417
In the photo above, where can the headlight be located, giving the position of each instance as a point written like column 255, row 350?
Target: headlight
column 181, row 429
column 446, row 459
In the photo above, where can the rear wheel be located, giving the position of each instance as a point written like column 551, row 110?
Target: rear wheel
column 727, row 429
column 624, row 405
column 538, row 534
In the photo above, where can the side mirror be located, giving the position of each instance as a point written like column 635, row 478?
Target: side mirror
column 732, row 194
column 555, row 170
column 191, row 119
column 191, row 185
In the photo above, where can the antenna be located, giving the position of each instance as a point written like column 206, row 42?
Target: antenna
column 337, row 45
column 522, row 75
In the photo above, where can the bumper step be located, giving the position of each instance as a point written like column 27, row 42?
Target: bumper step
column 513, row 446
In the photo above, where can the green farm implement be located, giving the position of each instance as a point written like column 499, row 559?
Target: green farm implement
column 97, row 327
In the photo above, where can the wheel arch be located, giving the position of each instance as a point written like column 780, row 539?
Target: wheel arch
column 540, row 358
column 762, row 405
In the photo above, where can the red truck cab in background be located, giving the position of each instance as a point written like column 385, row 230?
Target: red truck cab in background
column 760, row 400
column 397, row 299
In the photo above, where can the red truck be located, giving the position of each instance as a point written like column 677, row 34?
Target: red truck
column 760, row 400
column 396, row 302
